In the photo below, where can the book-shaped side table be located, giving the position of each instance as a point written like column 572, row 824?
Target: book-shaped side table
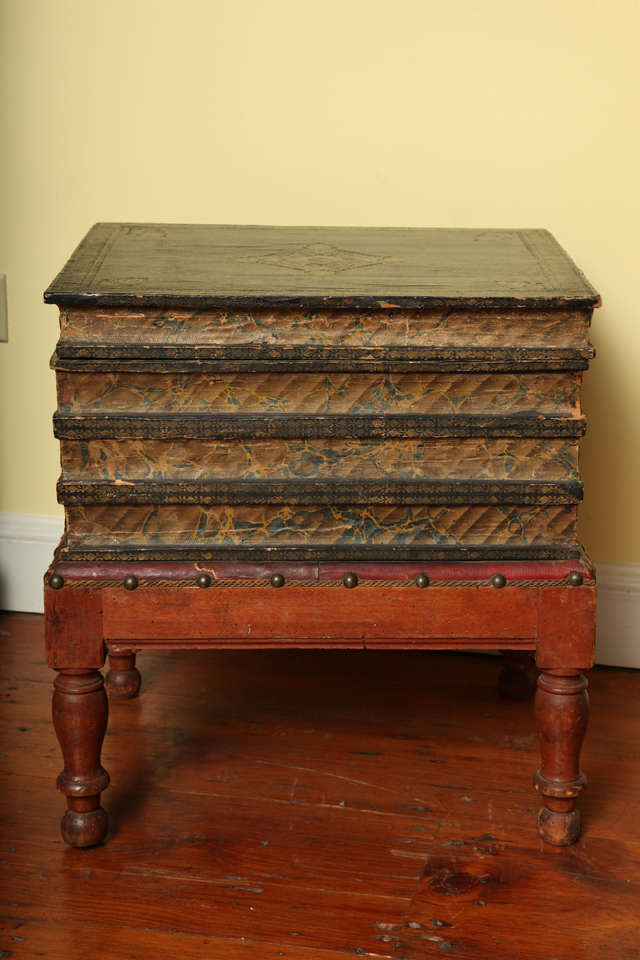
column 319, row 437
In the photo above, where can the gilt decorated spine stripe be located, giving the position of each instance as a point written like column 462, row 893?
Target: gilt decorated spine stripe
column 320, row 491
column 313, row 360
column 178, row 426
column 266, row 552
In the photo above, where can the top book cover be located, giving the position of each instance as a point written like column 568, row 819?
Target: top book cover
column 202, row 266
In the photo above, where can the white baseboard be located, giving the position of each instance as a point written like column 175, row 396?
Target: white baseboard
column 618, row 633
column 27, row 543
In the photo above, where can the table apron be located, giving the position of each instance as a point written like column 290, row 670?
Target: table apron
column 323, row 615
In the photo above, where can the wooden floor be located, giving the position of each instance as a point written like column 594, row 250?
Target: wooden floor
column 326, row 805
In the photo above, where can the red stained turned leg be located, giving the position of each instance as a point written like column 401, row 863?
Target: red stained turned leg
column 517, row 679
column 562, row 712
column 123, row 680
column 80, row 718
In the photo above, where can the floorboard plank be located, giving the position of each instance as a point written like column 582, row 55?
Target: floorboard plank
column 61, row 940
column 488, row 899
column 316, row 805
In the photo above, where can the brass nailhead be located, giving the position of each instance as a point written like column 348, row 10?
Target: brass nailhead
column 56, row 581
column 575, row 578
column 422, row 580
column 277, row 580
column 130, row 582
column 203, row 580
column 498, row 580
column 350, row 580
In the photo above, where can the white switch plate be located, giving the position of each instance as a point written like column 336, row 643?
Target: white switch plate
column 4, row 328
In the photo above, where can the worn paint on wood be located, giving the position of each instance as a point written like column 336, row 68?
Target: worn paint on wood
column 567, row 628
column 365, row 615
column 73, row 628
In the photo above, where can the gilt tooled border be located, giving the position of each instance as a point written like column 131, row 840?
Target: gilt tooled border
column 241, row 491
column 310, row 426
column 326, row 553
column 310, row 358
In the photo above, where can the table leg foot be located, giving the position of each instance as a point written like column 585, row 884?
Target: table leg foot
column 562, row 711
column 559, row 828
column 84, row 829
column 123, row 680
column 80, row 720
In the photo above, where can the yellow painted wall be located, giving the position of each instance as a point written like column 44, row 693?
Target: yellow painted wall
column 412, row 113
